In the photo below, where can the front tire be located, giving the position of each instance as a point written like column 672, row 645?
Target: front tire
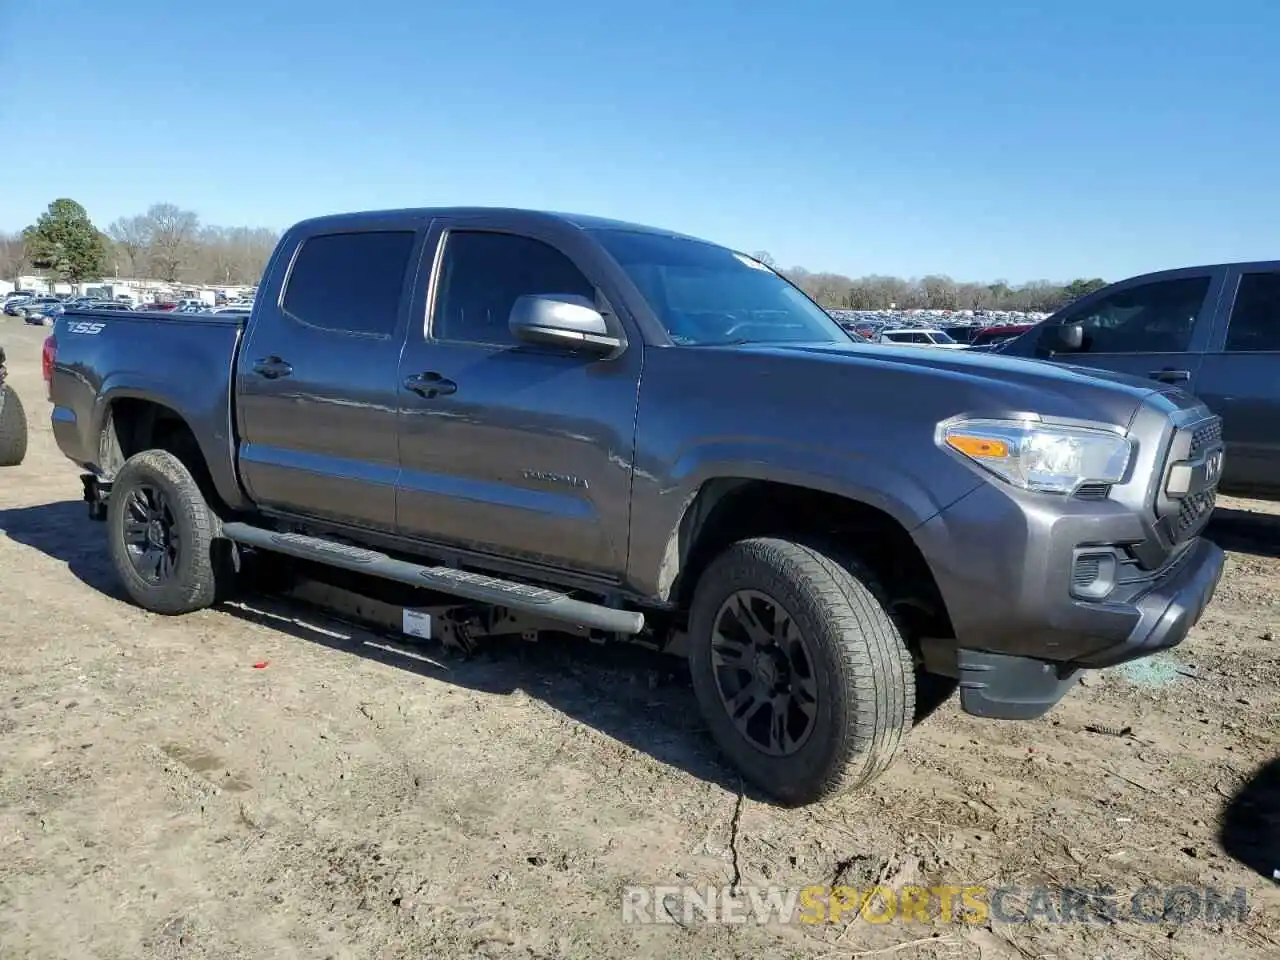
column 162, row 536
column 13, row 428
column 803, row 676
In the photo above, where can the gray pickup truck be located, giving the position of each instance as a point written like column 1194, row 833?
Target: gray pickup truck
column 546, row 421
column 1213, row 330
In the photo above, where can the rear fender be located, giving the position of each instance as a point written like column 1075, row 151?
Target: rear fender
column 209, row 421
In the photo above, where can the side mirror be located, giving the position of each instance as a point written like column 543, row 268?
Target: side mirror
column 562, row 320
column 1064, row 338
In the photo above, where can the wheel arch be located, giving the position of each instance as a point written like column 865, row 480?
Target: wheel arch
column 731, row 508
column 132, row 422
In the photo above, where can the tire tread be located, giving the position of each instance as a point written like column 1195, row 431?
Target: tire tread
column 206, row 581
column 13, row 428
column 875, row 670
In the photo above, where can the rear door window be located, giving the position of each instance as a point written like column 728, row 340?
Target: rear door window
column 1255, row 317
column 350, row 282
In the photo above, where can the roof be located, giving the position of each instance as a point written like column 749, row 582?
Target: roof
column 581, row 221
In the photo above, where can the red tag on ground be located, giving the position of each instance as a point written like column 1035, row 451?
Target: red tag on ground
column 262, row 665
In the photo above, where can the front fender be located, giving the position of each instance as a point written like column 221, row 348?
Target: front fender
column 661, row 499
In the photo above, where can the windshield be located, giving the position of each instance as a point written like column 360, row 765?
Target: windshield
column 707, row 295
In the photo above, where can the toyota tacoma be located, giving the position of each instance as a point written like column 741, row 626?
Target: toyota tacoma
column 544, row 421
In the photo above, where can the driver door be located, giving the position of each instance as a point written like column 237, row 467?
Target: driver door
column 1155, row 327
column 521, row 451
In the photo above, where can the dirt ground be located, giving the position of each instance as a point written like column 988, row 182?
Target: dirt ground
column 358, row 798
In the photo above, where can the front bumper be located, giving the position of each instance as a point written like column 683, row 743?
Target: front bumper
column 1023, row 687
column 1004, row 564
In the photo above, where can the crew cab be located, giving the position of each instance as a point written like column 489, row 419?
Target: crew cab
column 1212, row 330
column 544, row 421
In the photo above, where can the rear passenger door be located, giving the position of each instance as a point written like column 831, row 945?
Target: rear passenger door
column 526, row 450
column 1240, row 379
column 316, row 382
column 1148, row 327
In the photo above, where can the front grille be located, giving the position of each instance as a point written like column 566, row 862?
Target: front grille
column 1185, row 516
column 1191, row 510
column 1205, row 436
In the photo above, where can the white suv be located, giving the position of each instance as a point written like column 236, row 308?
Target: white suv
column 919, row 337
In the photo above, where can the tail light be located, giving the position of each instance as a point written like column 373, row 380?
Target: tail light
column 48, row 356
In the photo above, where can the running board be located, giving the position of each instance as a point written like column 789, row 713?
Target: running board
column 459, row 583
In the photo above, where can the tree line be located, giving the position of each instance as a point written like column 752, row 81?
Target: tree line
column 164, row 243
column 932, row 292
column 170, row 243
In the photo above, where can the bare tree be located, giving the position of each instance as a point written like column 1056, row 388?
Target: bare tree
column 132, row 237
column 217, row 259
column 231, row 254
column 13, row 256
column 939, row 292
column 172, row 238
column 973, row 296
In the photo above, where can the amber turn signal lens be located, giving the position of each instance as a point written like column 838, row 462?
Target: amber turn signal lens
column 982, row 448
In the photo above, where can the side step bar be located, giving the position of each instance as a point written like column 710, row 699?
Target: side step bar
column 459, row 583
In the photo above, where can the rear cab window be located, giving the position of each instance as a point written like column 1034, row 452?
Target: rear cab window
column 350, row 282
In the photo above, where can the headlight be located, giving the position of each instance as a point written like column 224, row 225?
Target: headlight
column 1040, row 456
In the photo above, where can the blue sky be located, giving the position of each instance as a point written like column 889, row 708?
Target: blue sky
column 982, row 139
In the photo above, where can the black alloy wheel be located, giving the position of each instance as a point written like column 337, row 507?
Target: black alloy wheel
column 764, row 673
column 151, row 534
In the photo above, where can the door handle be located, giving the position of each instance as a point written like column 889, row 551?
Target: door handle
column 272, row 367
column 430, row 385
column 1169, row 375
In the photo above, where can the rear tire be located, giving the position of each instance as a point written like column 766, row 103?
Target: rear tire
column 162, row 536
column 13, row 428
column 823, row 687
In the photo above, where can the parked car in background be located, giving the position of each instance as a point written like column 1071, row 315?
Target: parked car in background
column 45, row 312
column 1212, row 330
column 561, row 422
column 13, row 421
column 917, row 337
column 962, row 332
column 31, row 305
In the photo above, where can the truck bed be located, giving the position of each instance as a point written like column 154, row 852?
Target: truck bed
column 165, row 358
